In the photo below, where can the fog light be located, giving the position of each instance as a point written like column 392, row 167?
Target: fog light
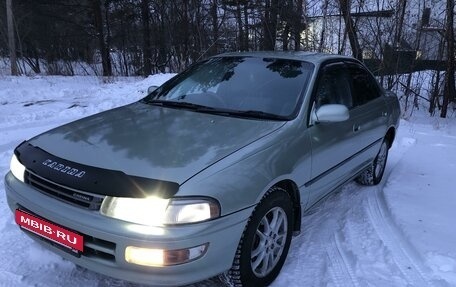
column 160, row 257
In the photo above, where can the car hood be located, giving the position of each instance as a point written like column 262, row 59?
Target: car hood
column 153, row 142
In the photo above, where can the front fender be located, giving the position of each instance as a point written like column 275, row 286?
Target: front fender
column 241, row 180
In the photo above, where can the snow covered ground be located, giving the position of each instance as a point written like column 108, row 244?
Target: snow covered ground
column 400, row 233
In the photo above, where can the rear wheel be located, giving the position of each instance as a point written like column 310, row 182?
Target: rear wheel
column 373, row 175
column 264, row 245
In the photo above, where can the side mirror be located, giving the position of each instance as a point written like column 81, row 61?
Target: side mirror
column 151, row 89
column 330, row 114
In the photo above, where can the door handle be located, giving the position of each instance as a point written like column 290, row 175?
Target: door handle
column 356, row 128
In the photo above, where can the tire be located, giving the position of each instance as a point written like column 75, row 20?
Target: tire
column 373, row 175
column 265, row 242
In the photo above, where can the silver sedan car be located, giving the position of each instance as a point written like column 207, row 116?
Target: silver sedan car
column 210, row 173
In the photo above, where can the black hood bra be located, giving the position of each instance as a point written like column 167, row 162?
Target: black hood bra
column 89, row 178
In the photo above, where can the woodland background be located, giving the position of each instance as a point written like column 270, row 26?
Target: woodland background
column 408, row 44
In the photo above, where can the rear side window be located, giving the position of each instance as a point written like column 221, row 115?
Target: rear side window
column 364, row 87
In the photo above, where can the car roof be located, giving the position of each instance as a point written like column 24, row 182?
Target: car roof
column 313, row 57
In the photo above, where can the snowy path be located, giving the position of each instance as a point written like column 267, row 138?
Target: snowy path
column 336, row 238
column 402, row 252
column 358, row 236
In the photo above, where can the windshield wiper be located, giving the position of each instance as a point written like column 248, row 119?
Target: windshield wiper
column 259, row 115
column 224, row 112
column 176, row 104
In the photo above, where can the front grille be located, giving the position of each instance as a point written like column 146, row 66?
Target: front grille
column 96, row 248
column 64, row 193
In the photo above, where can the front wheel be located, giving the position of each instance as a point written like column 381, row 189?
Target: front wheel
column 373, row 175
column 265, row 242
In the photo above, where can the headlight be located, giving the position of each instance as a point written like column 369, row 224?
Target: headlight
column 17, row 168
column 154, row 211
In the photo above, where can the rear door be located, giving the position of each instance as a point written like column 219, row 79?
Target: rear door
column 368, row 114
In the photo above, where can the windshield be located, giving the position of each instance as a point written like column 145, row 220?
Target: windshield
column 247, row 86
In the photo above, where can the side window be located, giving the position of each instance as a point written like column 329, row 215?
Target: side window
column 333, row 88
column 364, row 87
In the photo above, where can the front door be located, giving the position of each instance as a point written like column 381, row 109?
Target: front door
column 332, row 143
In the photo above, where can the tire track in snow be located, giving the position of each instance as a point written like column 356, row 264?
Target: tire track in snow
column 307, row 254
column 405, row 257
column 318, row 250
column 340, row 268
column 403, row 253
column 309, row 250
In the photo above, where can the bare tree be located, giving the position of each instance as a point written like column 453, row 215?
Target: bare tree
column 449, row 91
column 271, row 13
column 345, row 8
column 298, row 24
column 147, row 54
column 323, row 28
column 400, row 21
column 11, row 38
column 215, row 26
column 99, row 22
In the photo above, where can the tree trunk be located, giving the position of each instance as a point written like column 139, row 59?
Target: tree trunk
column 449, row 92
column 270, row 24
column 323, row 28
column 298, row 26
column 240, row 27
column 433, row 101
column 345, row 8
column 215, row 28
column 246, row 26
column 11, row 38
column 104, row 48
column 147, row 55
column 400, row 22
column 285, row 36
column 108, row 34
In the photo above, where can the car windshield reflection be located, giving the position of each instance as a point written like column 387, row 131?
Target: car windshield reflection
column 238, row 86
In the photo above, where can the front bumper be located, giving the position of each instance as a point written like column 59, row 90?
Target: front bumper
column 106, row 239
